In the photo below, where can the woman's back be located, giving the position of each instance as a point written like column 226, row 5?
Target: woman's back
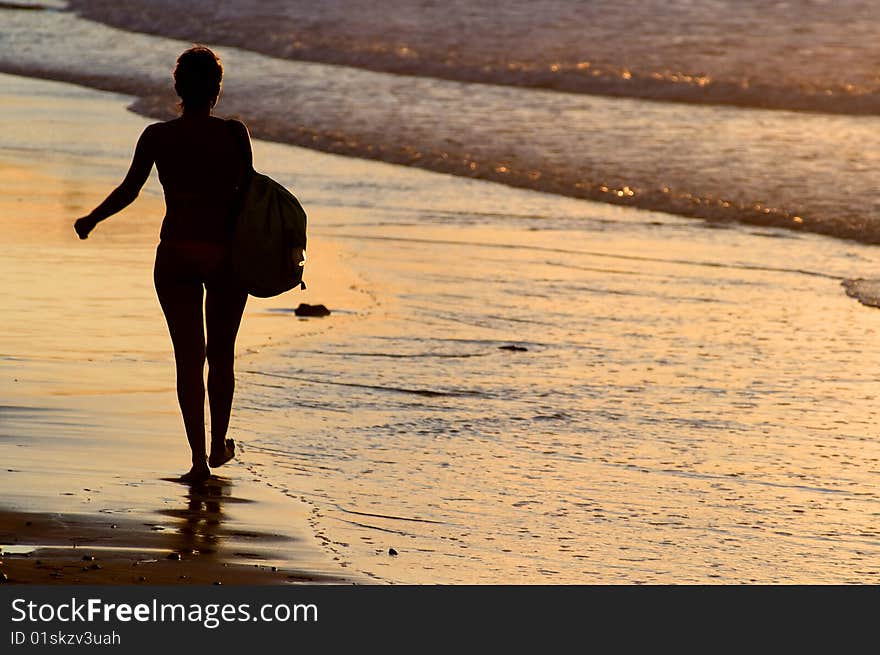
column 200, row 161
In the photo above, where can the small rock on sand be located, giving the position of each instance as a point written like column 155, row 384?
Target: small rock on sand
column 305, row 309
column 518, row 349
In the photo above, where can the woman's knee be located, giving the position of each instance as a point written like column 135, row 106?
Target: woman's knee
column 220, row 356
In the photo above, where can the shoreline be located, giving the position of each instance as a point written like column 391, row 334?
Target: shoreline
column 512, row 387
column 600, row 149
column 160, row 106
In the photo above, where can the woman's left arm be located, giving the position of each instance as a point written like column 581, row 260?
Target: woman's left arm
column 123, row 195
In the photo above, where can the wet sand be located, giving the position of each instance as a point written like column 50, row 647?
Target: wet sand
column 89, row 427
column 195, row 544
column 691, row 405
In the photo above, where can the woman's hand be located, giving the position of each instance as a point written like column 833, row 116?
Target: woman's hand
column 84, row 225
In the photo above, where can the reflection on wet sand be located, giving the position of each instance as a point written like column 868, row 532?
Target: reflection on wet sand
column 200, row 531
column 201, row 520
column 203, row 543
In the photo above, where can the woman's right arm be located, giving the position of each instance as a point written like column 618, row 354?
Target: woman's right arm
column 123, row 195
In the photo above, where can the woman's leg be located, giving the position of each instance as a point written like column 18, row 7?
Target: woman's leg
column 224, row 306
column 181, row 300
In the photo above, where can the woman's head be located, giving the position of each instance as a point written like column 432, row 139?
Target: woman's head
column 197, row 79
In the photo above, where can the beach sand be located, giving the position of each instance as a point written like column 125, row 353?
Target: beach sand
column 513, row 387
column 89, row 427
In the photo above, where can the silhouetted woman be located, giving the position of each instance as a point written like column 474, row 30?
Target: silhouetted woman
column 202, row 161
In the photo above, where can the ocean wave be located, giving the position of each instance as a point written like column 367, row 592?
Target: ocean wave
column 865, row 291
column 812, row 57
column 811, row 172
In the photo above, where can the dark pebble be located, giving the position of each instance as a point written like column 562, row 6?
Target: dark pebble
column 4, row 577
column 517, row 349
column 142, row 579
column 305, row 309
column 174, row 556
column 392, row 552
column 28, row 523
column 88, row 558
column 217, row 582
column 274, row 569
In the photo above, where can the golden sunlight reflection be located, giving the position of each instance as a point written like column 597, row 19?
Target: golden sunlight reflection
column 511, row 386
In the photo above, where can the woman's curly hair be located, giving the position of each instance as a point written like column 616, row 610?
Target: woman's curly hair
column 197, row 78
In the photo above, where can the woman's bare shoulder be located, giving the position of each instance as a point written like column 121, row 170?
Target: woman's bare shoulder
column 156, row 130
column 161, row 125
column 237, row 125
column 150, row 140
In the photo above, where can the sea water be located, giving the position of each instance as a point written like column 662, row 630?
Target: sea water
column 542, row 389
column 705, row 155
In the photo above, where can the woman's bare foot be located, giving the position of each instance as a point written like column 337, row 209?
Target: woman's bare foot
column 220, row 457
column 196, row 474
